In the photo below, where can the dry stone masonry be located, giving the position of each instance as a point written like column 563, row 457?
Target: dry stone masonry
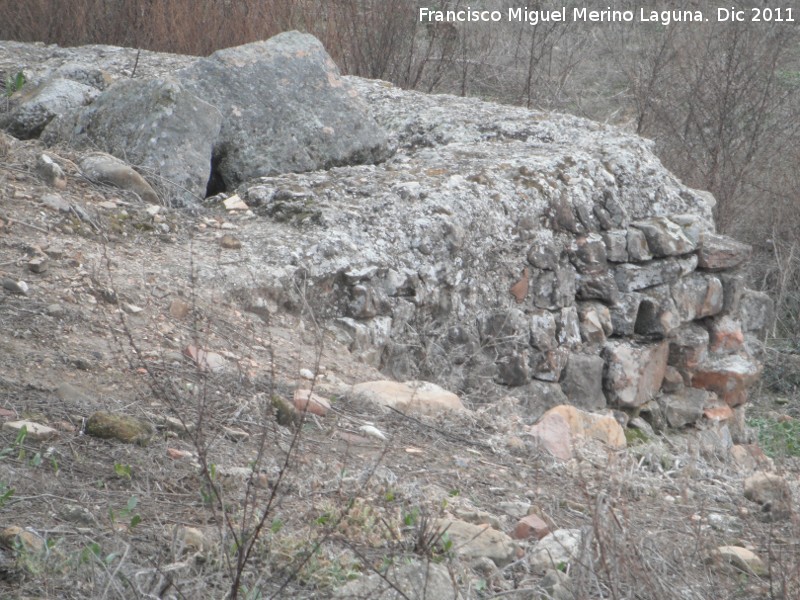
column 494, row 250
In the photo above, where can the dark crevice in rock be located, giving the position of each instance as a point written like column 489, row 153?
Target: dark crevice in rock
column 216, row 184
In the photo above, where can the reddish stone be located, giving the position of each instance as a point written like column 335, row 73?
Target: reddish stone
column 530, row 526
column 726, row 335
column 552, row 433
column 718, row 413
column 729, row 377
column 305, row 401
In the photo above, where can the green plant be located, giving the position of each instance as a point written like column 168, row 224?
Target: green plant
column 126, row 512
column 14, row 83
column 123, row 471
column 6, row 492
column 777, row 438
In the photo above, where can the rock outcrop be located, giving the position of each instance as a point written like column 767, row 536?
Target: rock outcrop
column 264, row 108
column 498, row 251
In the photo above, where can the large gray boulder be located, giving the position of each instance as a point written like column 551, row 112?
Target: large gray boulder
column 158, row 126
column 286, row 109
column 35, row 105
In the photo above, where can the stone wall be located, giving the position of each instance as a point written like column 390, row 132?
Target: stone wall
column 495, row 250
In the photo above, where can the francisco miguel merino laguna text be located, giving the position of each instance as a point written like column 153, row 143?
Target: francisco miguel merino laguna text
column 534, row 17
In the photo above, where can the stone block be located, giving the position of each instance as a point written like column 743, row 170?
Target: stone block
column 664, row 237
column 583, row 381
column 728, row 376
column 634, row 372
column 684, row 407
column 657, row 315
column 630, row 277
column 637, row 246
column 601, row 286
column 616, row 245
column 568, row 331
column 688, row 347
column 756, row 312
column 588, row 254
column 697, row 296
column 548, row 365
column 717, row 252
column 554, row 289
column 624, row 312
column 725, row 335
column 595, row 322
column 542, row 329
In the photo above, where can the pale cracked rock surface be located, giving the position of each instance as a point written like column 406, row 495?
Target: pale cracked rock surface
column 556, row 550
column 492, row 250
column 418, row 580
column 419, row 397
column 475, row 541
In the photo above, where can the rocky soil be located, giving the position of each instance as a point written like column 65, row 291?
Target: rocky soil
column 162, row 406
column 99, row 313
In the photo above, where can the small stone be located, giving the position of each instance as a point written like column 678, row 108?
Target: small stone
column 419, row 397
column 15, row 287
column 552, row 433
column 234, row 203
column 119, row 427
column 192, row 539
column 530, row 526
column 307, row 374
column 176, row 425
column 13, row 536
column 741, row 558
column 306, row 401
column 38, row 264
column 373, row 431
column 179, row 309
column 132, row 309
column 35, row 431
column 235, row 434
column 472, row 541
column 772, row 492
column 51, row 172
column 204, row 359
column 556, row 550
column 230, row 242
column 176, row 454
